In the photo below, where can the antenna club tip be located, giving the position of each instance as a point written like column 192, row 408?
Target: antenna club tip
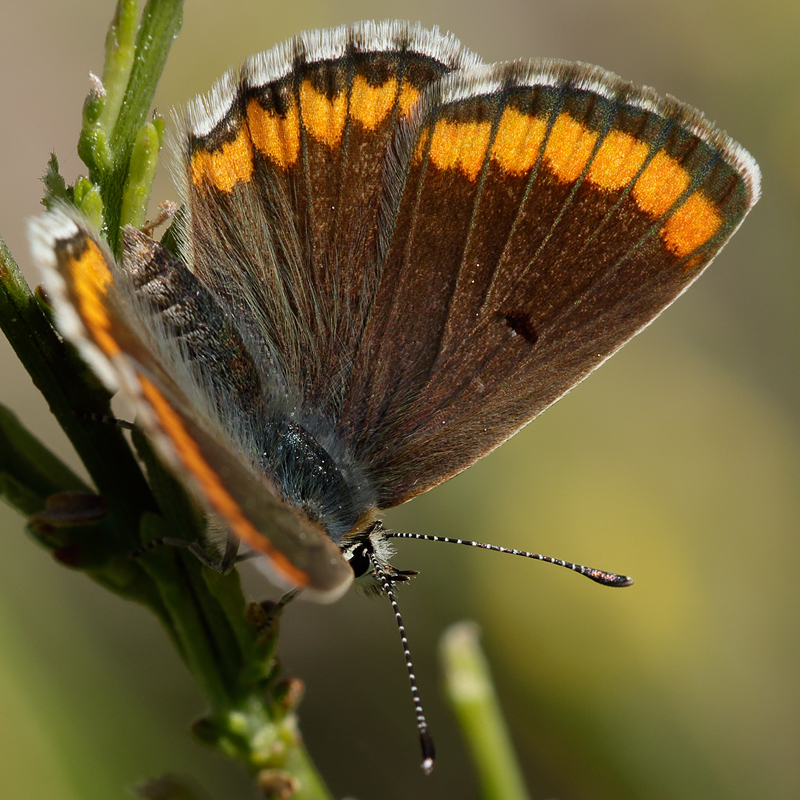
column 609, row 578
column 428, row 751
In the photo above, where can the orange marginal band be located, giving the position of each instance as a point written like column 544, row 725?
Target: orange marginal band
column 213, row 488
column 90, row 278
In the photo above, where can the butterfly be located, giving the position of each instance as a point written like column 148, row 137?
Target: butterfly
column 391, row 257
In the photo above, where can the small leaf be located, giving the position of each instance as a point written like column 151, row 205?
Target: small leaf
column 19, row 496
column 120, row 55
column 175, row 232
column 31, row 464
column 141, row 173
column 55, row 187
column 89, row 201
column 95, row 102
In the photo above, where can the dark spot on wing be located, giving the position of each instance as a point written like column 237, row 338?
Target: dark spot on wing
column 521, row 325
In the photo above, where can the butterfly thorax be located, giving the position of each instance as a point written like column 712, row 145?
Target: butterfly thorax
column 310, row 478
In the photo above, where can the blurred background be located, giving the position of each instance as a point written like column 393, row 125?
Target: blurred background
column 677, row 463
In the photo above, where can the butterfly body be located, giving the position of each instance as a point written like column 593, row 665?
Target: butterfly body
column 274, row 430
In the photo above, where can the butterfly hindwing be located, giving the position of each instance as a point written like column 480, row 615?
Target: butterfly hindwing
column 550, row 211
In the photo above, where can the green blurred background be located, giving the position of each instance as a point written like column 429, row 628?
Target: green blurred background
column 677, row 463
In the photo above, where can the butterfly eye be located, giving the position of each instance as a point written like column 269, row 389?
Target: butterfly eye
column 359, row 561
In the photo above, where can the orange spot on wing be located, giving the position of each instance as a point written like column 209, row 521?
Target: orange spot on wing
column 460, row 145
column 370, row 105
column 660, row 185
column 224, row 168
column 518, row 141
column 213, row 489
column 692, row 225
column 276, row 137
column 323, row 118
column 422, row 144
column 618, row 159
column 409, row 95
column 90, row 278
column 569, row 147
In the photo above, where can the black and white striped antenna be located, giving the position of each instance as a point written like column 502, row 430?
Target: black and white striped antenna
column 425, row 738
column 597, row 575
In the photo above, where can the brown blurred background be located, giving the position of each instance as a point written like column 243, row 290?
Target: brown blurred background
column 677, row 463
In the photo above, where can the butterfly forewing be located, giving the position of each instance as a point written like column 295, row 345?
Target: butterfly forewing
column 284, row 191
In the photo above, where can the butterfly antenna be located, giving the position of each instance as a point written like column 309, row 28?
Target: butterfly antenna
column 425, row 738
column 597, row 575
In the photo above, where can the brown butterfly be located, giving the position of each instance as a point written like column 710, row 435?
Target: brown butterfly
column 392, row 257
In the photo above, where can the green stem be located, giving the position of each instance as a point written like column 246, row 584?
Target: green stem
column 73, row 395
column 160, row 24
column 312, row 787
column 170, row 569
column 32, row 466
column 231, row 657
column 469, row 687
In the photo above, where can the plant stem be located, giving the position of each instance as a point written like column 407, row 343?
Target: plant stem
column 233, row 660
column 469, row 687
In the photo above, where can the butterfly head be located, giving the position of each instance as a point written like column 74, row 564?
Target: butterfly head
column 369, row 552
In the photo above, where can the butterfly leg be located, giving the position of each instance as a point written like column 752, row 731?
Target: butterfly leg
column 222, row 565
column 107, row 420
column 272, row 609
